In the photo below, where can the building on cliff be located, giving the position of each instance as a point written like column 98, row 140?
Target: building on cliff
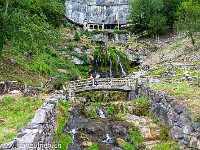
column 97, row 14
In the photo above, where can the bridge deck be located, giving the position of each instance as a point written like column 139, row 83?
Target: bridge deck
column 112, row 84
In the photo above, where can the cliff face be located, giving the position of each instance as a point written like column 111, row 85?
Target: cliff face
column 97, row 10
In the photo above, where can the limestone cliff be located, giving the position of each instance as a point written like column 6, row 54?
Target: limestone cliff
column 97, row 10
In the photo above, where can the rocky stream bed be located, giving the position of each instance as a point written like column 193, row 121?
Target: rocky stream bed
column 104, row 130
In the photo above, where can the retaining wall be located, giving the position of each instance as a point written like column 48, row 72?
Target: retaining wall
column 39, row 133
column 170, row 112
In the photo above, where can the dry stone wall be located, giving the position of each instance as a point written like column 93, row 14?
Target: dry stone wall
column 39, row 133
column 169, row 112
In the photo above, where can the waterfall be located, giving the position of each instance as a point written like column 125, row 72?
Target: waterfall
column 108, row 138
column 96, row 66
column 110, row 65
column 120, row 64
column 100, row 112
column 73, row 131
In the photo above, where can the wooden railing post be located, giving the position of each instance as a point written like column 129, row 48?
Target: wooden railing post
column 74, row 84
column 111, row 82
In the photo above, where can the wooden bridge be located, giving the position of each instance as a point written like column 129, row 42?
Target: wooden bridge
column 110, row 84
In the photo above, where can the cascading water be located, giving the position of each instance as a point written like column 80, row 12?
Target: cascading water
column 100, row 130
column 100, row 112
column 110, row 65
column 108, row 138
column 96, row 66
column 121, row 67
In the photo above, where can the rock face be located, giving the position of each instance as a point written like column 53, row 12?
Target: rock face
column 41, row 129
column 97, row 10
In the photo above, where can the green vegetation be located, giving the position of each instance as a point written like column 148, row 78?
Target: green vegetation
column 141, row 107
column 76, row 37
column 97, row 104
column 61, row 118
column 64, row 141
column 111, row 109
column 169, row 145
column 93, row 112
column 16, row 113
column 136, row 140
column 84, row 57
column 93, row 147
column 188, row 15
column 164, row 133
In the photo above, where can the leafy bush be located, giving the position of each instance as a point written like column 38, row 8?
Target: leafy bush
column 76, row 37
column 93, row 147
column 58, row 83
column 93, row 112
column 72, row 27
column 141, row 107
column 136, row 139
column 164, row 133
column 85, row 47
column 70, row 47
column 111, row 109
column 97, row 104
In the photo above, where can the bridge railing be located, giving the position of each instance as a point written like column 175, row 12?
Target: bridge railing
column 79, row 84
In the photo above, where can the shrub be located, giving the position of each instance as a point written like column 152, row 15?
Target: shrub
column 164, row 133
column 76, row 37
column 136, row 139
column 141, row 107
column 93, row 147
column 169, row 145
column 85, row 47
column 93, row 112
column 58, row 83
column 70, row 47
column 72, row 27
column 97, row 104
column 111, row 109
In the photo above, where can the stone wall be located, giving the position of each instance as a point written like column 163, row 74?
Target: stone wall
column 97, row 10
column 170, row 112
column 40, row 130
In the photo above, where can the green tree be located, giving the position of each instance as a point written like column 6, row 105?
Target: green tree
column 157, row 24
column 141, row 12
column 29, row 23
column 169, row 9
column 188, row 15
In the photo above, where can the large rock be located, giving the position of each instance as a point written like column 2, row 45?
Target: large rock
column 40, row 117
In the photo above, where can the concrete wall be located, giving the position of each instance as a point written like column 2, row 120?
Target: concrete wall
column 170, row 112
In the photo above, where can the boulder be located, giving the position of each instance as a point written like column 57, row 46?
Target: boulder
column 119, row 141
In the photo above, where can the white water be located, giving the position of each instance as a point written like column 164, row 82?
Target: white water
column 122, row 69
column 110, row 65
column 108, row 138
column 73, row 131
column 100, row 112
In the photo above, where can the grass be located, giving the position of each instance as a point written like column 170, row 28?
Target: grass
column 16, row 113
column 141, row 107
column 62, row 117
column 183, row 92
column 169, row 145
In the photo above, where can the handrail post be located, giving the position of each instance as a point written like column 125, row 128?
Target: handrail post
column 111, row 82
column 74, row 84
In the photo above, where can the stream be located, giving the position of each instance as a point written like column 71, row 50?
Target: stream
column 102, row 131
